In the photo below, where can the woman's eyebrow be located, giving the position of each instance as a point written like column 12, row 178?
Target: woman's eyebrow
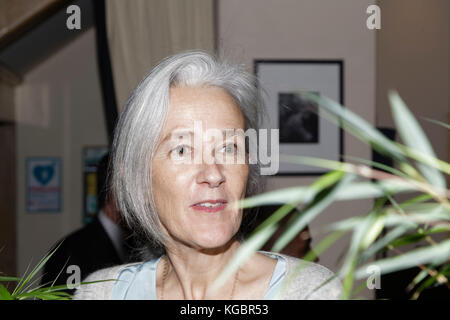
column 226, row 133
column 180, row 134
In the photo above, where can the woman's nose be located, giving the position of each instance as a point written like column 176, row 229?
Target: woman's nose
column 211, row 174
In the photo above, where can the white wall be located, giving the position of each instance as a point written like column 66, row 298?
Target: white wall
column 413, row 49
column 310, row 29
column 58, row 112
column 413, row 57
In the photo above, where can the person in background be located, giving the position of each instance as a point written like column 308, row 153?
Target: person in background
column 298, row 247
column 104, row 242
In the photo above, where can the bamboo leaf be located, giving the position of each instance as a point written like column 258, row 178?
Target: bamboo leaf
column 435, row 254
column 416, row 237
column 421, row 276
column 435, row 213
column 301, row 219
column 34, row 271
column 351, row 191
column 4, row 293
column 359, row 127
column 365, row 172
column 378, row 165
column 364, row 131
column 443, row 124
column 374, row 231
column 286, row 195
column 414, row 137
column 384, row 241
column 356, row 244
column 266, row 229
column 9, row 279
column 425, row 158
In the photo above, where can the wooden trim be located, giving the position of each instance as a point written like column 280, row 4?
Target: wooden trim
column 9, row 77
column 20, row 16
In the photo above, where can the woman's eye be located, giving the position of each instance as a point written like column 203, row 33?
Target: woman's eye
column 230, row 148
column 181, row 150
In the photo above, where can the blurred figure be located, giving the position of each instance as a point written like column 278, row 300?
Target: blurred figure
column 104, row 242
column 298, row 247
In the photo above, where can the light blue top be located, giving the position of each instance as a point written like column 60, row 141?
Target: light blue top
column 138, row 281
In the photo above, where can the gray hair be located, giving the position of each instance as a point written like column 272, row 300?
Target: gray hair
column 138, row 131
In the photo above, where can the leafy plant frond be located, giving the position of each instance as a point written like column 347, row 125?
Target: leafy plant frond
column 390, row 225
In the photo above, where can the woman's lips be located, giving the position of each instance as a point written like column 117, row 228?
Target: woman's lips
column 219, row 205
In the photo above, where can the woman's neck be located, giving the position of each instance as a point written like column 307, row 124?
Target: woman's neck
column 193, row 271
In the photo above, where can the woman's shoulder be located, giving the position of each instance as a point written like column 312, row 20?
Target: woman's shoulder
column 104, row 280
column 305, row 280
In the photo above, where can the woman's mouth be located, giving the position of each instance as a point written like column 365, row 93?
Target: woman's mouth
column 210, row 205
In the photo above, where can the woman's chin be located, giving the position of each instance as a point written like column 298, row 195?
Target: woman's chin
column 211, row 240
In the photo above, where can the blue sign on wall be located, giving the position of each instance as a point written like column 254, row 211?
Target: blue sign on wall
column 43, row 192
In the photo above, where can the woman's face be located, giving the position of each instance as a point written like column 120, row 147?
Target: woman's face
column 192, row 189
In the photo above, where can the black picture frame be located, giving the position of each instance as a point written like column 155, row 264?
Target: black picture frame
column 289, row 66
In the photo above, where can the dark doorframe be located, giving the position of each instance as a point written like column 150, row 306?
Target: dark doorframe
column 8, row 198
column 105, row 68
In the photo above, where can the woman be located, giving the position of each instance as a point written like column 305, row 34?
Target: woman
column 185, row 205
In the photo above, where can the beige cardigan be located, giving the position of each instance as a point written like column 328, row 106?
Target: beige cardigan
column 299, row 285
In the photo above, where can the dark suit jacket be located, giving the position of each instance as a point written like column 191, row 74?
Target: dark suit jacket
column 90, row 248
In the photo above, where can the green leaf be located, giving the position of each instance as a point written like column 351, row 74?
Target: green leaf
column 421, row 276
column 377, row 165
column 364, row 131
column 344, row 225
column 301, row 219
column 384, row 241
column 286, row 195
column 9, row 279
column 423, row 214
column 416, row 237
column 425, row 158
column 39, row 266
column 435, row 254
column 414, row 137
column 420, row 215
column 4, row 293
column 443, row 124
column 357, row 125
column 350, row 191
column 266, row 229
column 430, row 281
column 53, row 292
column 44, row 296
column 403, row 184
column 373, row 232
column 357, row 243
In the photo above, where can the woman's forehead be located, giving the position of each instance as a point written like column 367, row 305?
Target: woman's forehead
column 213, row 107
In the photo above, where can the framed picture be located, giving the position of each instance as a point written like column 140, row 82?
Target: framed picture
column 43, row 184
column 303, row 131
column 91, row 159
